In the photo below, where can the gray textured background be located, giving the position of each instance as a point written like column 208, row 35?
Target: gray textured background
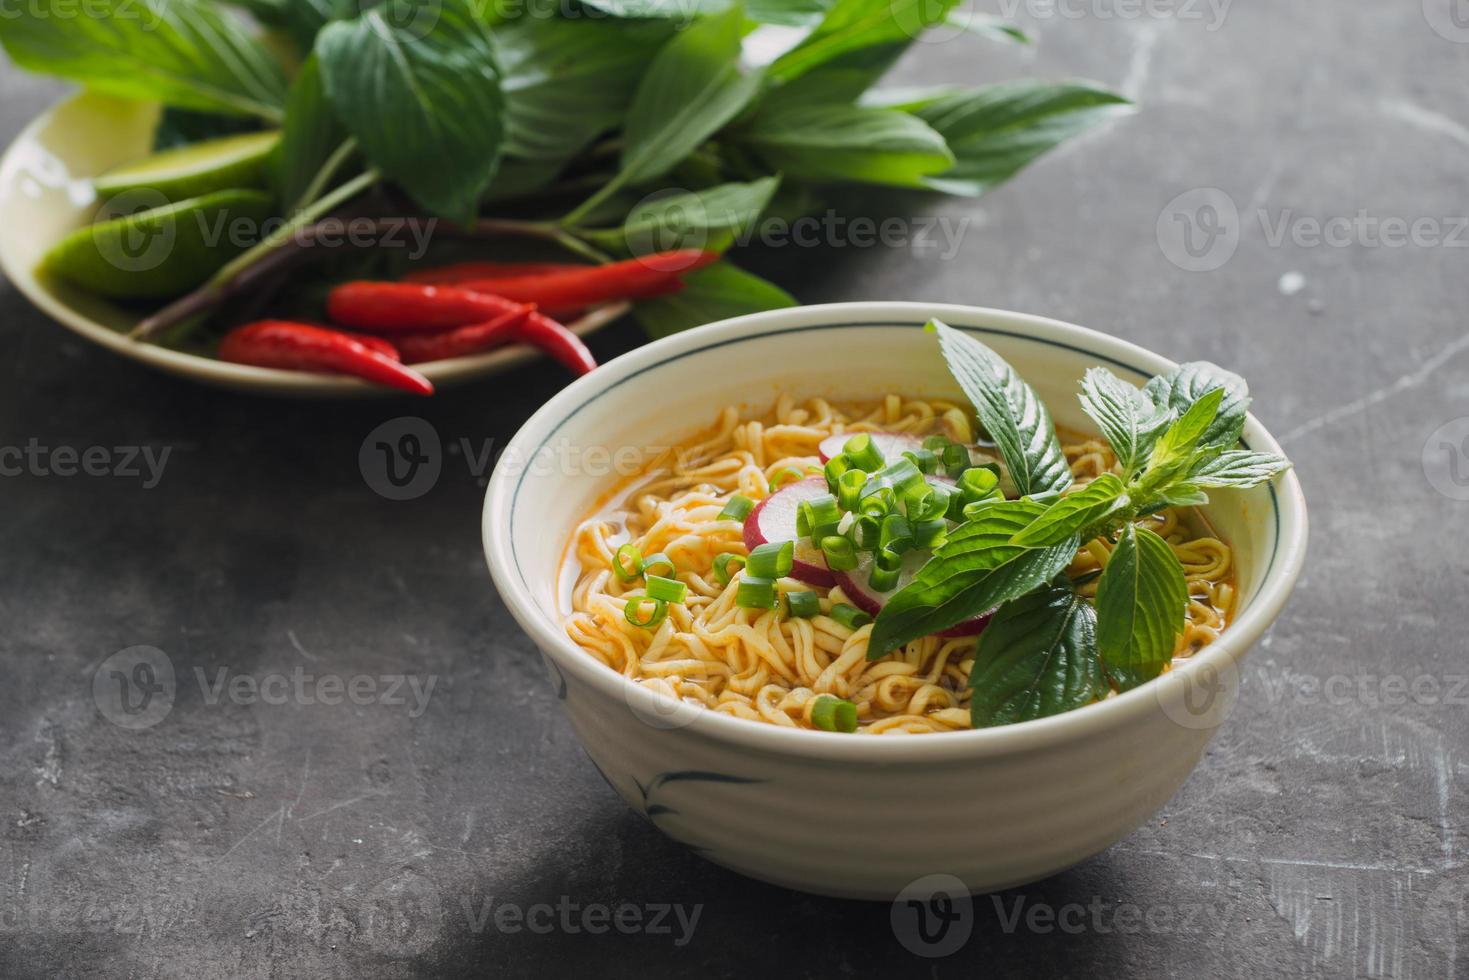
column 1320, row 836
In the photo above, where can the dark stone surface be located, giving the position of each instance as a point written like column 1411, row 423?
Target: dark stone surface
column 1321, row 835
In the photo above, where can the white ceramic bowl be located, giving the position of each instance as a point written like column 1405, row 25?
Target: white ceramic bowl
column 846, row 815
column 45, row 192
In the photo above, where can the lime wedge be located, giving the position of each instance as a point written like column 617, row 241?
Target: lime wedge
column 195, row 169
column 161, row 251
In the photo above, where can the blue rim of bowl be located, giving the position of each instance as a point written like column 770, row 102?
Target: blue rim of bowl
column 1225, row 653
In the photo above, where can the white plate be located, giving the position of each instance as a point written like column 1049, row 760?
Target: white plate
column 45, row 193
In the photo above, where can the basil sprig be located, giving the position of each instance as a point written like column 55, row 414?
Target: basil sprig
column 1047, row 648
column 650, row 125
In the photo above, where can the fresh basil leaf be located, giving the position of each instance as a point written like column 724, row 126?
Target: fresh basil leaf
column 304, row 19
column 716, row 292
column 1037, row 657
column 787, row 13
column 693, row 219
column 1141, row 602
column 566, row 81
column 1009, row 410
column 977, row 569
column 1128, row 418
column 180, row 127
column 682, row 10
column 1187, row 383
column 423, row 99
column 987, row 26
column 179, row 52
column 996, row 130
column 692, row 88
column 846, row 143
column 1173, row 454
column 1075, row 513
column 1238, row 468
column 310, row 136
column 854, row 25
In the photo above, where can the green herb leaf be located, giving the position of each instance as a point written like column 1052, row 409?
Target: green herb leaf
column 566, row 81
column 682, row 10
column 1238, row 468
column 1141, row 602
column 422, row 99
column 1075, row 513
column 1128, row 418
column 179, row 52
column 1037, row 657
column 854, row 25
column 996, row 130
column 692, row 88
column 977, row 569
column 987, row 26
column 1174, row 452
column 1010, row 411
column 1187, row 383
column 309, row 139
column 695, row 219
column 716, row 292
column 846, row 143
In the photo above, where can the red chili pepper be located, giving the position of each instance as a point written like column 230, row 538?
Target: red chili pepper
column 405, row 308
column 382, row 345
column 303, row 347
column 452, row 275
column 552, row 337
column 560, row 292
column 419, row 347
column 408, row 307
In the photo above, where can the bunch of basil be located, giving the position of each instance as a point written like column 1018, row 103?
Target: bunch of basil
column 575, row 116
column 1047, row 648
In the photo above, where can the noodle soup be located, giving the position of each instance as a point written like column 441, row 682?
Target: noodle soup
column 768, row 665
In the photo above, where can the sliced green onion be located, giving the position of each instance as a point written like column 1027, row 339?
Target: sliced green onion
column 936, row 443
column 633, row 612
column 924, row 459
column 840, row 553
column 772, row 560
column 977, row 483
column 658, row 564
column 755, row 593
column 863, row 452
column 803, row 605
column 849, row 489
column 737, row 508
column 877, row 503
column 722, row 561
column 818, row 517
column 955, row 459
column 884, row 579
column 869, row 530
column 896, row 534
column 628, row 562
column 834, row 715
column 901, row 474
column 788, row 475
column 930, row 534
column 666, row 589
column 849, row 616
column 835, row 469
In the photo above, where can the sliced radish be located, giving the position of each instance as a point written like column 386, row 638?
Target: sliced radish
column 775, row 520
column 870, row 601
column 891, row 444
